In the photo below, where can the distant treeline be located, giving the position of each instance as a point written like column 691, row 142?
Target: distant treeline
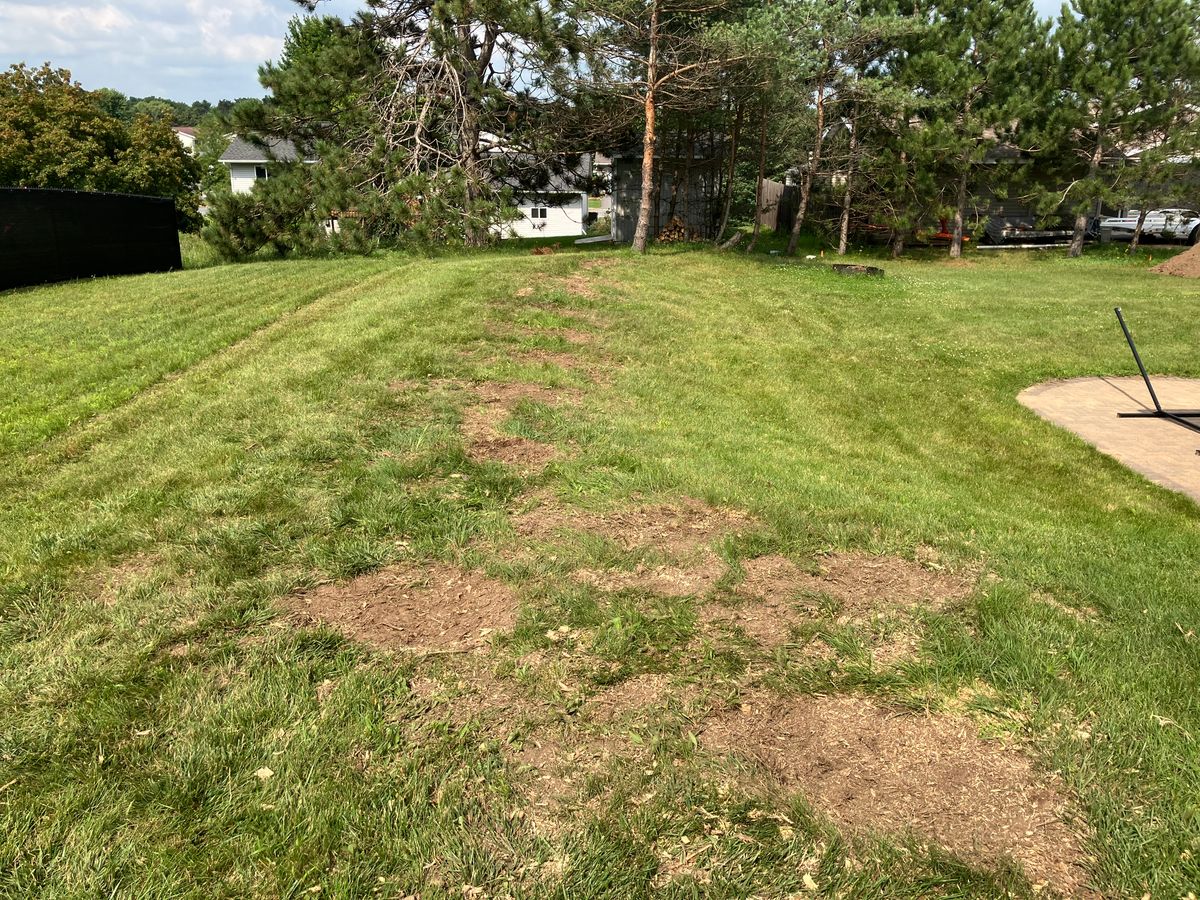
column 128, row 108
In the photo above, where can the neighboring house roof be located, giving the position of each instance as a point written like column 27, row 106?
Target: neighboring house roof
column 529, row 175
column 241, row 150
column 184, row 129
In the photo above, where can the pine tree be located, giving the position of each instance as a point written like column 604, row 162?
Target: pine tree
column 975, row 61
column 657, row 55
column 1119, row 67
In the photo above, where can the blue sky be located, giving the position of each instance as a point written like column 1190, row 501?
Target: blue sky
column 183, row 49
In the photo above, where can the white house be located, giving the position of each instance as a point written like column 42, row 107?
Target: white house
column 549, row 214
column 549, row 204
column 555, row 208
column 187, row 137
column 249, row 162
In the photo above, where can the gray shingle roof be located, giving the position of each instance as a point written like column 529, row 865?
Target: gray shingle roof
column 277, row 149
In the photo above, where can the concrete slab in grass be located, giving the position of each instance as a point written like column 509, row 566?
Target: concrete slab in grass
column 1166, row 453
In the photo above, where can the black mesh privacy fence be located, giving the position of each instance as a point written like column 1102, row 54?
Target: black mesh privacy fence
column 50, row 235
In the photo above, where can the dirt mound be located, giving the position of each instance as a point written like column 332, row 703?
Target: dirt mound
column 411, row 607
column 872, row 769
column 675, row 530
column 1185, row 265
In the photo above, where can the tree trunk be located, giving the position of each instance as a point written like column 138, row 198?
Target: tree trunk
column 844, row 230
column 1081, row 219
column 960, row 205
column 897, row 245
column 733, row 149
column 960, row 208
column 1137, row 232
column 758, row 190
column 640, row 233
column 807, row 182
column 475, row 235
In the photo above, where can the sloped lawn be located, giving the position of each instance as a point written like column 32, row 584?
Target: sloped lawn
column 589, row 575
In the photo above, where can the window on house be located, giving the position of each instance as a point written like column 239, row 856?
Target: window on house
column 538, row 212
column 260, row 173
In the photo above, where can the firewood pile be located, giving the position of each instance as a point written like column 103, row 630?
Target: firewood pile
column 676, row 232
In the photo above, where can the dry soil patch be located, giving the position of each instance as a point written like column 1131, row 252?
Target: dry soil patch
column 540, row 356
column 412, row 607
column 674, row 530
column 865, row 583
column 874, row 769
column 775, row 588
column 767, row 620
column 666, row 580
column 557, row 767
column 645, row 694
column 481, row 424
column 862, row 583
column 107, row 585
column 469, row 689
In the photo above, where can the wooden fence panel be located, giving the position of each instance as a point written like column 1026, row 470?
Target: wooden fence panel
column 768, row 210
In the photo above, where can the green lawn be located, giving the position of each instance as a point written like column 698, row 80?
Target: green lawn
column 182, row 451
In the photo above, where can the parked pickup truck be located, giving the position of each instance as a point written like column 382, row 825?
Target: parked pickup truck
column 1165, row 224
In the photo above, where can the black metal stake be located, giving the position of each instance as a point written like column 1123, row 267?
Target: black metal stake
column 1137, row 358
column 1178, row 416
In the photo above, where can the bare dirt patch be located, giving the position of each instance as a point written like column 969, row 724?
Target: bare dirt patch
column 874, row 769
column 556, row 768
column 575, row 336
column 647, row 694
column 469, row 689
column 411, row 607
column 675, row 530
column 580, row 285
column 863, row 582
column 767, row 621
column 583, row 282
column 540, row 356
column 481, row 424
column 778, row 594
column 107, row 585
column 860, row 582
column 667, row 580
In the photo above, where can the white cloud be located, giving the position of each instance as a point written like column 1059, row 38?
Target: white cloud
column 194, row 49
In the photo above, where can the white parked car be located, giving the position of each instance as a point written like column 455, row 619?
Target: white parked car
column 1167, row 224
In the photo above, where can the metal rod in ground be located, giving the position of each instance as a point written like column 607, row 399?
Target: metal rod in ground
column 1138, row 359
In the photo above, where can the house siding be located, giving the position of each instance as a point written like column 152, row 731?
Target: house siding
column 241, row 176
column 565, row 220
